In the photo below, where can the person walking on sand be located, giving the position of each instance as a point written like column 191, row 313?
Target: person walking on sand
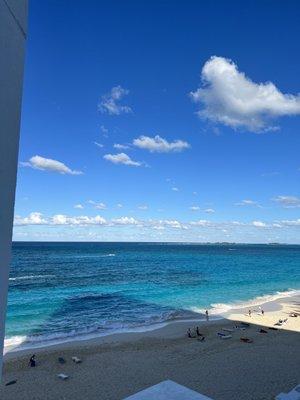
column 32, row 361
column 262, row 312
column 249, row 313
column 206, row 314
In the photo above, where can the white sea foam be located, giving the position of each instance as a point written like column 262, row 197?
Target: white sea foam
column 15, row 343
column 223, row 308
column 22, row 278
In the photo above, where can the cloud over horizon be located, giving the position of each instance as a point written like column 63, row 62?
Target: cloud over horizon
column 37, row 218
column 229, row 97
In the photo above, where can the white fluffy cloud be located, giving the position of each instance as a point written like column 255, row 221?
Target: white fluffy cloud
column 209, row 211
column 205, row 227
column 229, row 97
column 34, row 218
column 247, row 202
column 119, row 146
column 143, row 207
column 99, row 206
column 47, row 164
column 122, row 158
column 295, row 222
column 160, row 145
column 172, row 224
column 201, row 222
column 175, row 189
column 110, row 102
column 194, row 208
column 125, row 221
column 259, row 224
column 288, row 201
column 79, row 206
column 103, row 129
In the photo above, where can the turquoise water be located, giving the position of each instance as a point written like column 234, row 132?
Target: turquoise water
column 63, row 291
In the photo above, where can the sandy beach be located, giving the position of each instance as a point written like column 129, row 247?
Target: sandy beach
column 119, row 365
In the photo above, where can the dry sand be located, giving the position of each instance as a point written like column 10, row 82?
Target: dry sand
column 119, row 365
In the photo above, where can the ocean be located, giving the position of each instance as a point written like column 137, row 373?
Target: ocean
column 66, row 291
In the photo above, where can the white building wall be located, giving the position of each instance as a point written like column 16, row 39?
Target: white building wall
column 13, row 29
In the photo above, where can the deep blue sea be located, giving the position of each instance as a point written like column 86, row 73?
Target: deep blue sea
column 66, row 291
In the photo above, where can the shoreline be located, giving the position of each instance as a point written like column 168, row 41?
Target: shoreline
column 118, row 365
column 238, row 313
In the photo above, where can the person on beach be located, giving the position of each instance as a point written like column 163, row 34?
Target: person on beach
column 249, row 313
column 189, row 333
column 32, row 361
column 200, row 335
column 206, row 313
column 262, row 312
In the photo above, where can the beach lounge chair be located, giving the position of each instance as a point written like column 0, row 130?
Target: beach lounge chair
column 76, row 360
column 63, row 377
column 227, row 330
column 224, row 335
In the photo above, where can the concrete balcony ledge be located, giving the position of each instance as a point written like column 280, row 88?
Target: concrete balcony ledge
column 167, row 390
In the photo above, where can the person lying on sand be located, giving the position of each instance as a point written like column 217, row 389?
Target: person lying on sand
column 263, row 331
column 281, row 321
column 246, row 340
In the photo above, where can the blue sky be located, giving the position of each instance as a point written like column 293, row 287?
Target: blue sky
column 160, row 121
